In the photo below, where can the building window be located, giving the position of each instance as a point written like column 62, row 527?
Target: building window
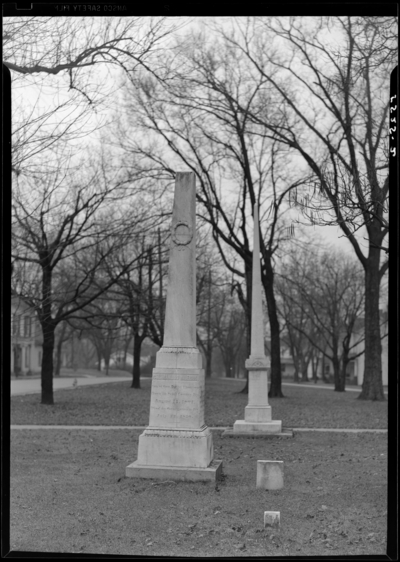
column 27, row 356
column 283, row 368
column 15, row 325
column 327, row 368
column 27, row 326
column 40, row 358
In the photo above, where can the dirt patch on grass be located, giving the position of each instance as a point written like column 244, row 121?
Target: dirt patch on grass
column 118, row 404
column 69, row 494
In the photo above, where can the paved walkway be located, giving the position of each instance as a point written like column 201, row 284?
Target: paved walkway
column 325, row 386
column 141, row 427
column 33, row 386
column 311, row 385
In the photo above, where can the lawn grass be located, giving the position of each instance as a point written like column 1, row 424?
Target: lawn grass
column 119, row 404
column 69, row 494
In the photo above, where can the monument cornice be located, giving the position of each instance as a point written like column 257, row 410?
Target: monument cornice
column 257, row 363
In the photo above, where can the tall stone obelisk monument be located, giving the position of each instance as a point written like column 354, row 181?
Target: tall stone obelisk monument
column 257, row 414
column 177, row 444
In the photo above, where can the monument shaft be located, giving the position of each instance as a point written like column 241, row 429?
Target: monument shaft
column 257, row 316
column 180, row 313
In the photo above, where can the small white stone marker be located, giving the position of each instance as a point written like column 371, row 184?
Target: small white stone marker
column 270, row 475
column 272, row 520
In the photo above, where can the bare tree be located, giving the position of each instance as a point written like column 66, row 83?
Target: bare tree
column 72, row 58
column 329, row 75
column 62, row 234
column 197, row 116
column 229, row 326
column 139, row 289
column 101, row 323
column 326, row 295
column 136, row 288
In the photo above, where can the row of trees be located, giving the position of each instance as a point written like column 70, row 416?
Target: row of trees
column 321, row 295
column 236, row 103
column 261, row 109
column 75, row 216
column 320, row 303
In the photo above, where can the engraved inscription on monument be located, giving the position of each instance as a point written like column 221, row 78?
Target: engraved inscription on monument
column 177, row 404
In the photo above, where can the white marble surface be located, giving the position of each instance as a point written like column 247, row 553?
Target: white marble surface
column 180, row 311
column 269, row 475
column 258, row 413
column 177, row 440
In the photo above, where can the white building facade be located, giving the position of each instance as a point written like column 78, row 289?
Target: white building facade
column 26, row 339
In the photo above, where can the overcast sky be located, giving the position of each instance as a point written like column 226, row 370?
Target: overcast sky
column 46, row 97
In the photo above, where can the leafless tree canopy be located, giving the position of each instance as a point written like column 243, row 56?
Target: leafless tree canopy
column 289, row 113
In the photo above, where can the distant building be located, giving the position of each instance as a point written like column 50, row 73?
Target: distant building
column 26, row 339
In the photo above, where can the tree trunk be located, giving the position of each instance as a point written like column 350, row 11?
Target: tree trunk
column 304, row 374
column 336, row 374
column 275, row 389
column 98, row 351
column 126, row 345
column 372, row 386
column 137, row 345
column 58, row 357
column 342, row 377
column 324, row 377
column 208, row 361
column 48, row 329
column 314, row 364
column 227, row 359
column 47, row 363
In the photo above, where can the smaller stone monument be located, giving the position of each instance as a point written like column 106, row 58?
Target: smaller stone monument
column 272, row 520
column 269, row 475
column 258, row 420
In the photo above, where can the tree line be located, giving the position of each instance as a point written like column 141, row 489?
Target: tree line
column 286, row 111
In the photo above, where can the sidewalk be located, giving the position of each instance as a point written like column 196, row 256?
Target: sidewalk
column 319, row 386
column 142, row 427
column 33, row 386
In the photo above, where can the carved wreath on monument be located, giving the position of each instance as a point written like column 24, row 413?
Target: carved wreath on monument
column 182, row 234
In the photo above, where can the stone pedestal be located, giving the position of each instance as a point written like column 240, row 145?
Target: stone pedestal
column 257, row 413
column 177, row 435
column 177, row 444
